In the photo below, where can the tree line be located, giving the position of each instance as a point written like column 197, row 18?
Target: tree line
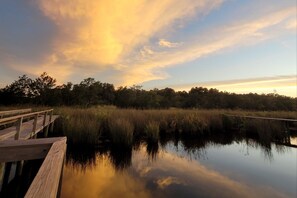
column 44, row 91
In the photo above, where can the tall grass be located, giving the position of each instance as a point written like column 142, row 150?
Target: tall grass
column 152, row 131
column 266, row 130
column 121, row 131
column 81, row 126
column 123, row 125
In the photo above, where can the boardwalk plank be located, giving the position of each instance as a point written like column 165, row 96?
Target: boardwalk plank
column 12, row 150
column 46, row 182
column 27, row 128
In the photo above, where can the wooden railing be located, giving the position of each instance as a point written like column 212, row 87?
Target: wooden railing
column 18, row 120
column 261, row 118
column 13, row 112
column 48, row 179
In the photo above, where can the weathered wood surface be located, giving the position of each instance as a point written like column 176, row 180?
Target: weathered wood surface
column 46, row 182
column 28, row 115
column 14, row 112
column 11, row 150
column 27, row 129
column 263, row 118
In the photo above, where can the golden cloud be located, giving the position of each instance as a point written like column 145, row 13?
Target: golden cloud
column 102, row 33
column 97, row 182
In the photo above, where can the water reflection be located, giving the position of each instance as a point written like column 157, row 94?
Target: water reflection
column 152, row 149
column 183, row 167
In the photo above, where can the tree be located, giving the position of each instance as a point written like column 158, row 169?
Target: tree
column 42, row 88
column 19, row 92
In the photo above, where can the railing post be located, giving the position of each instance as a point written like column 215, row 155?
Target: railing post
column 51, row 115
column 18, row 128
column 44, row 118
column 52, row 124
column 34, row 126
column 45, row 129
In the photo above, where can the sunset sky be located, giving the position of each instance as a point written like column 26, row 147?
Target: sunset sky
column 239, row 46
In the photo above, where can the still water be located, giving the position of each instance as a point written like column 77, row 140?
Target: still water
column 237, row 168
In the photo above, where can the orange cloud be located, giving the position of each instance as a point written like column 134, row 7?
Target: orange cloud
column 101, row 181
column 102, row 33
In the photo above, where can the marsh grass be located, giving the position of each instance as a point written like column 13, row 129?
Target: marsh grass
column 81, row 126
column 121, row 131
column 152, row 130
column 122, row 126
column 266, row 130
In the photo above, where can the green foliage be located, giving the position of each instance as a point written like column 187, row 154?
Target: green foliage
column 89, row 92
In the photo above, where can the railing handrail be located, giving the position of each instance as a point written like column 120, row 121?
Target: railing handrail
column 263, row 118
column 15, row 111
column 15, row 118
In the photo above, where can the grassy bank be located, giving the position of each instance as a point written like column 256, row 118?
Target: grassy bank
column 90, row 126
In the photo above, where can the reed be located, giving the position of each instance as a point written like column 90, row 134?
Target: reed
column 123, row 125
column 266, row 130
column 81, row 126
column 152, row 131
column 121, row 131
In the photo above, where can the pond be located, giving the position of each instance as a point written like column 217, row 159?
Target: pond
column 217, row 167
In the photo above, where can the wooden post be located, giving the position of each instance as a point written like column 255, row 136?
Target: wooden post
column 44, row 118
column 19, row 168
column 2, row 172
column 34, row 126
column 45, row 129
column 52, row 127
column 7, row 170
column 51, row 115
column 18, row 128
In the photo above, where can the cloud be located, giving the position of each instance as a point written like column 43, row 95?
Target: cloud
column 167, row 181
column 103, row 33
column 131, row 38
column 197, row 178
column 96, row 182
column 284, row 85
column 146, row 51
column 292, row 24
column 246, row 32
column 165, row 43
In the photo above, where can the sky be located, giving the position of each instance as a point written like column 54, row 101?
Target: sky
column 239, row 46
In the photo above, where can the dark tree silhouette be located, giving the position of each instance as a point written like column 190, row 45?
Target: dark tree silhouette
column 43, row 91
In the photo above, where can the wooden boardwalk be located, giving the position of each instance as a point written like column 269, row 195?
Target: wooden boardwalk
column 18, row 143
column 25, row 129
column 14, row 112
column 262, row 118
